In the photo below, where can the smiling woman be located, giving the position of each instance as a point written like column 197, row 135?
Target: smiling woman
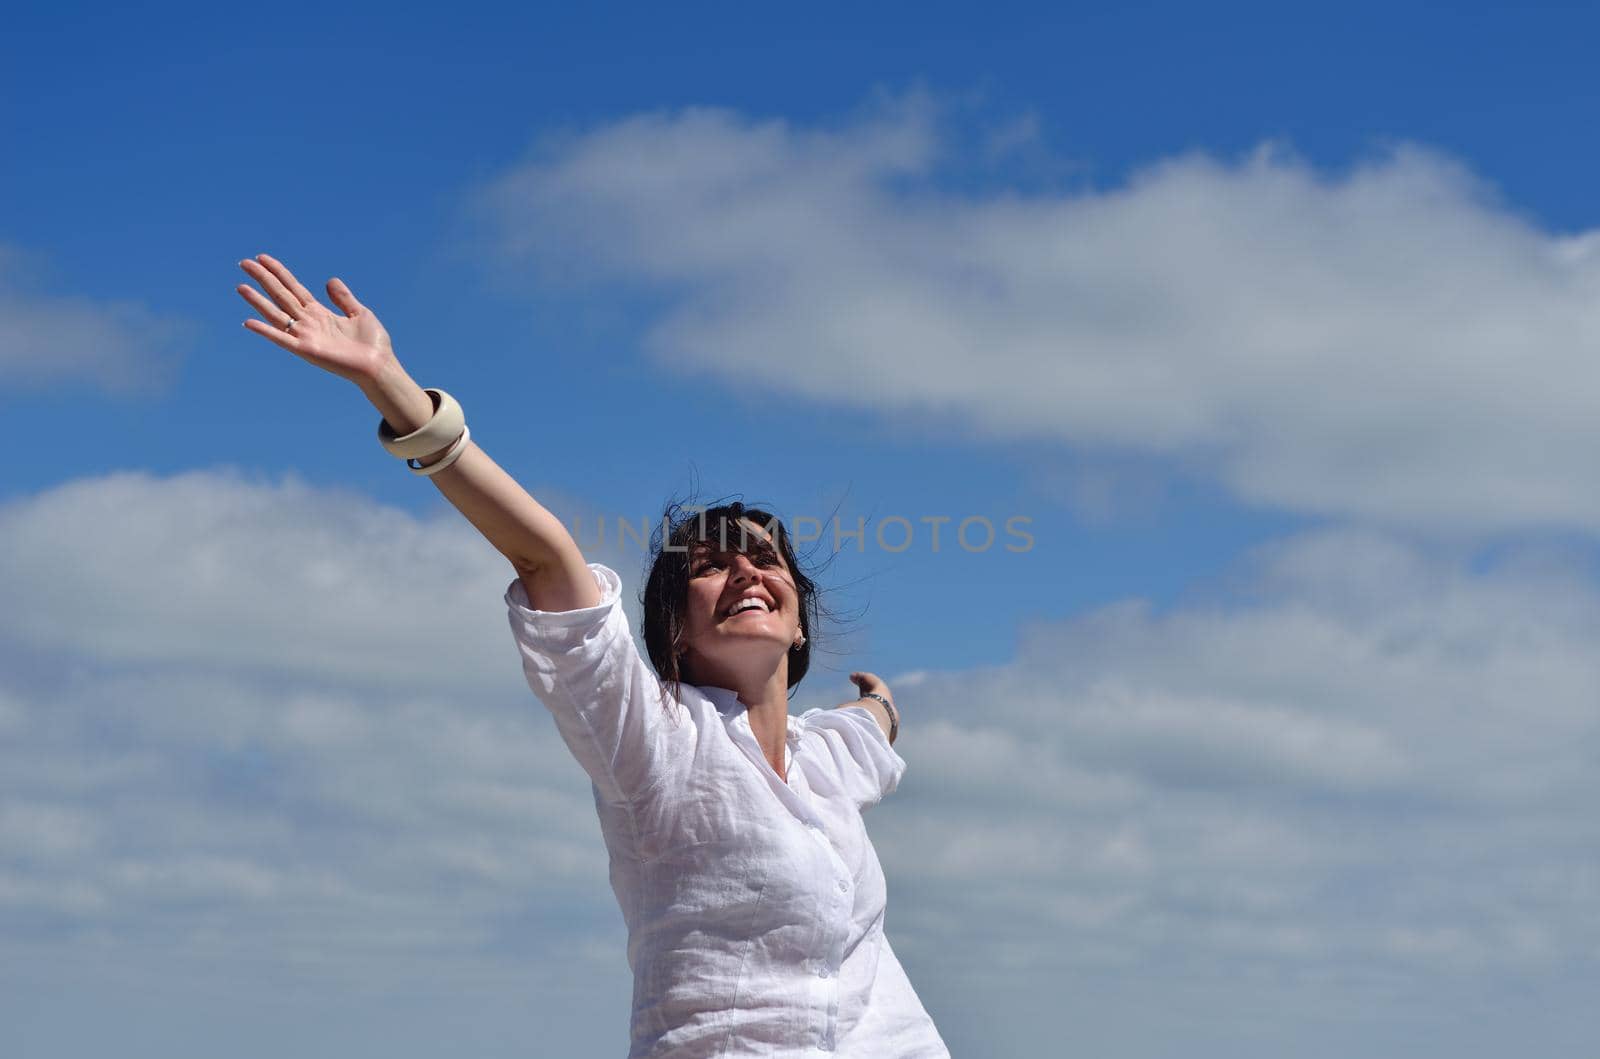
column 753, row 897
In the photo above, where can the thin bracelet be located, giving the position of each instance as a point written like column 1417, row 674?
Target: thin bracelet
column 894, row 714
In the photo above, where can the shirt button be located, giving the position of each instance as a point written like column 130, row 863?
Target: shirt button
column 844, row 887
column 822, row 973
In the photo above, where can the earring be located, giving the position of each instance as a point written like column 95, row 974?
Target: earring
column 799, row 643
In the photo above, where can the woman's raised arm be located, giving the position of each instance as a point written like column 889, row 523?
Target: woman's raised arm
column 355, row 346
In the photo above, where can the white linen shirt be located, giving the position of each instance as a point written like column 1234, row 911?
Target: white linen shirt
column 754, row 907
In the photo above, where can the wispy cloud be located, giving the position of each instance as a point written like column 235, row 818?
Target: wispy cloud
column 216, row 568
column 1390, row 342
column 50, row 340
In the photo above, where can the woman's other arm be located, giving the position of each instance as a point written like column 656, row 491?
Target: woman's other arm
column 356, row 347
column 888, row 718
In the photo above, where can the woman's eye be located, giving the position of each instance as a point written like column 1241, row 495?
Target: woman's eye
column 760, row 559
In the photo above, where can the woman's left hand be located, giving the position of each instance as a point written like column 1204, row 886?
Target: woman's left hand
column 873, row 683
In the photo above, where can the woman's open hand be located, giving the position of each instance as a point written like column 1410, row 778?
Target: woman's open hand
column 871, row 682
column 353, row 346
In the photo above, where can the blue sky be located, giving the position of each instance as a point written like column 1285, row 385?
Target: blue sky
column 1278, row 327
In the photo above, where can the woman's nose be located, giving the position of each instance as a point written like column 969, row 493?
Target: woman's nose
column 743, row 567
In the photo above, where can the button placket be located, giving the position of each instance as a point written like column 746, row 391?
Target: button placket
column 825, row 998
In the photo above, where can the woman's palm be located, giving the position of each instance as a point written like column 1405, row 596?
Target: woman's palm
column 352, row 345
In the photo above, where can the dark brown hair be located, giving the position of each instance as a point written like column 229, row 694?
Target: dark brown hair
column 666, row 590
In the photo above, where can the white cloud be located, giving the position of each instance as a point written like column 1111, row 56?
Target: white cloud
column 1390, row 342
column 280, row 729
column 1355, row 767
column 213, row 568
column 1361, row 755
column 47, row 340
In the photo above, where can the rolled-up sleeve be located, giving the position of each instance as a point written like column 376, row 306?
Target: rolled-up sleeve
column 584, row 666
column 868, row 767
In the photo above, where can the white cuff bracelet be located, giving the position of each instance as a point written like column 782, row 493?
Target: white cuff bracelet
column 439, row 432
column 450, row 457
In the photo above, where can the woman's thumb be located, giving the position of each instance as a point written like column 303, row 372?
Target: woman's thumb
column 342, row 297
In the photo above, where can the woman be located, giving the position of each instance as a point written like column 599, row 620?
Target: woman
column 753, row 898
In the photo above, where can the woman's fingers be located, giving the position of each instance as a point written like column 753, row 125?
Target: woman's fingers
column 281, row 271
column 269, row 311
column 270, row 283
column 341, row 296
column 869, row 682
column 283, row 338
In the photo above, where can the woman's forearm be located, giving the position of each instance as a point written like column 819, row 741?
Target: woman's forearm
column 518, row 527
column 397, row 397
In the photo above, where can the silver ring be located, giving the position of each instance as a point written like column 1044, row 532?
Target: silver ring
column 290, row 325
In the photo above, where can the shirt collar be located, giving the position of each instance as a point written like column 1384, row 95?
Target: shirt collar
column 729, row 705
column 726, row 700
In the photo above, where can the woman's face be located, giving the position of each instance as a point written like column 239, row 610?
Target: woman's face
column 725, row 637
